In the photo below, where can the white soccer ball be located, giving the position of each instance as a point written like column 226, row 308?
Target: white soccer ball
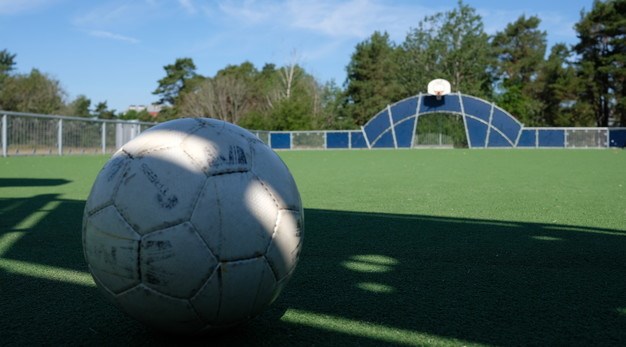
column 194, row 225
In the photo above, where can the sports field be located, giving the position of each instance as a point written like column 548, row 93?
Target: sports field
column 418, row 247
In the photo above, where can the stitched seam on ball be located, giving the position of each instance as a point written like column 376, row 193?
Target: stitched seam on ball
column 275, row 229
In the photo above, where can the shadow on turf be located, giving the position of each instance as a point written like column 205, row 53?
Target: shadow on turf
column 32, row 182
column 477, row 281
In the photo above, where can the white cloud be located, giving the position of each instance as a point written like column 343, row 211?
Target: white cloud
column 188, row 6
column 108, row 14
column 252, row 12
column 333, row 19
column 11, row 7
column 558, row 27
column 109, row 35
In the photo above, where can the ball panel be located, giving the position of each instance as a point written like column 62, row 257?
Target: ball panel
column 284, row 250
column 206, row 216
column 216, row 151
column 160, row 190
column 267, row 290
column 161, row 136
column 111, row 249
column 207, row 300
column 239, row 301
column 160, row 311
column 276, row 176
column 175, row 261
column 247, row 217
column 107, row 182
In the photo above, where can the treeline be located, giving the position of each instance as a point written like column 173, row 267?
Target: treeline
column 579, row 85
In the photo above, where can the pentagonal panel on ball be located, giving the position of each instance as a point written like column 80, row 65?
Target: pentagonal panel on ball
column 284, row 250
column 236, row 216
column 175, row 261
column 160, row 311
column 217, row 150
column 107, row 182
column 111, row 248
column 276, row 176
column 159, row 191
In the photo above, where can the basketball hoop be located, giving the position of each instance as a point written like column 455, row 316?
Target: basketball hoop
column 438, row 87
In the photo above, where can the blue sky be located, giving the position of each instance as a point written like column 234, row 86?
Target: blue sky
column 115, row 51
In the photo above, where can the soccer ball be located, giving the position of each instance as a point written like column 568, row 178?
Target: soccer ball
column 193, row 225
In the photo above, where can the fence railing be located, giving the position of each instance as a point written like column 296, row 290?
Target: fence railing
column 36, row 134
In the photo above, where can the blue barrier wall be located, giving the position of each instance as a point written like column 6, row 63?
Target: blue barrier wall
column 280, row 140
column 617, row 138
column 486, row 126
column 337, row 140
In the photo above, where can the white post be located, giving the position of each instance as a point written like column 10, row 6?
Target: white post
column 60, row 137
column 393, row 129
column 104, row 138
column 367, row 140
column 4, row 135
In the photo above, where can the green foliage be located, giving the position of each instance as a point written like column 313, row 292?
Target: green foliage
column 441, row 129
column 7, row 62
column 602, row 49
column 142, row 115
column 79, row 107
column 560, row 92
column 520, row 49
column 450, row 45
column 371, row 83
column 177, row 78
column 35, row 92
column 102, row 111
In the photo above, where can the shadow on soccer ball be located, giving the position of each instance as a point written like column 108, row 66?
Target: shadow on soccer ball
column 194, row 226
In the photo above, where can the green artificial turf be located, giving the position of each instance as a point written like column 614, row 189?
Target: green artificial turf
column 419, row 247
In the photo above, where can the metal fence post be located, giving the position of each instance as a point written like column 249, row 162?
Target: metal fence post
column 60, row 137
column 4, row 135
column 104, row 138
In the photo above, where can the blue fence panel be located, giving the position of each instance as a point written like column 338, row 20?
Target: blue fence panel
column 477, row 132
column 280, row 140
column 357, row 140
column 497, row 140
column 337, row 140
column 404, row 133
column 404, row 109
column 506, row 124
column 449, row 103
column 385, row 141
column 551, row 138
column 477, row 108
column 528, row 138
column 617, row 138
column 377, row 125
